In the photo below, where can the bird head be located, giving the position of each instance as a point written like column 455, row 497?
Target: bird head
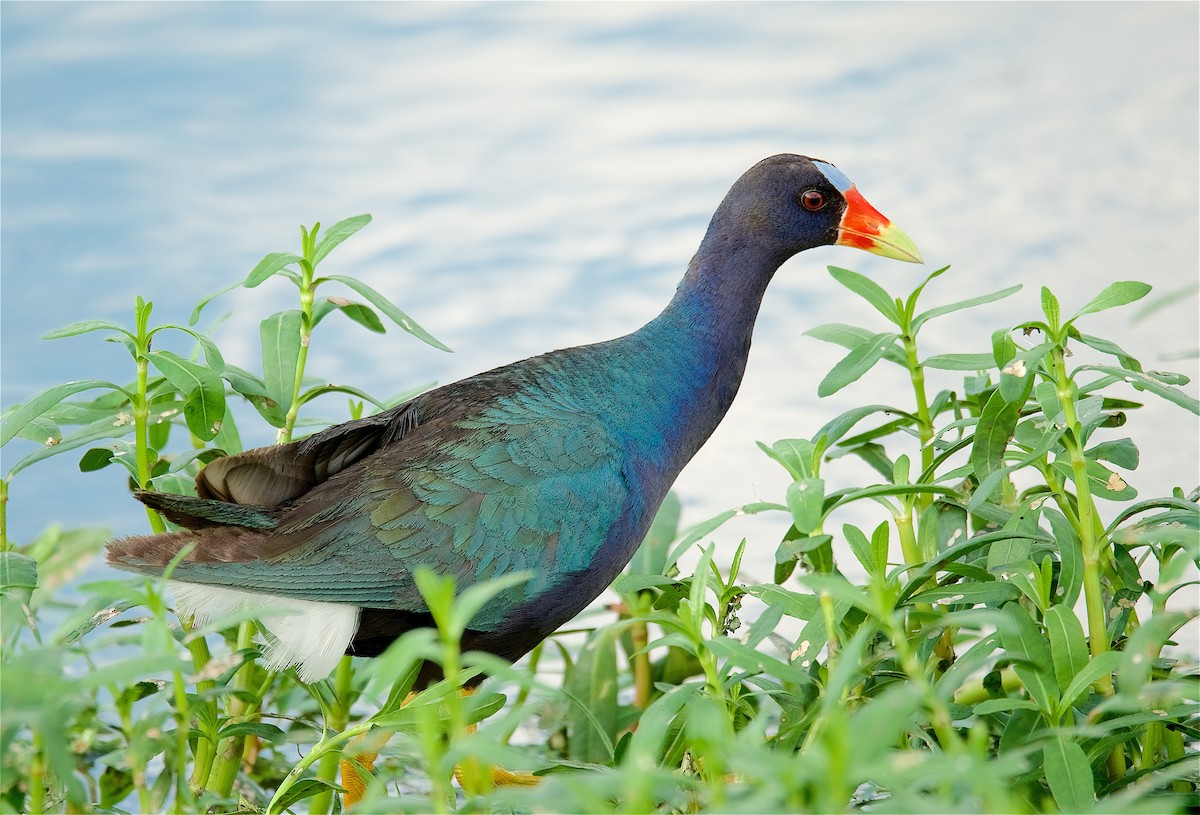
column 798, row 203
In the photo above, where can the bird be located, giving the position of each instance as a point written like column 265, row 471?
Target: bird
column 554, row 465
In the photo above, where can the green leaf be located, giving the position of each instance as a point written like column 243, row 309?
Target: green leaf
column 208, row 298
column 850, row 336
column 1103, row 482
column 338, row 233
column 280, row 335
column 1144, row 382
column 1024, row 575
column 836, row 428
column 994, row 593
column 996, row 426
column 18, row 575
column 389, row 310
column 266, row 267
column 592, row 681
column 255, row 391
column 1051, row 308
column 798, row 456
column 105, row 428
column 1026, row 646
column 1099, row 666
column 202, row 389
column 1016, row 377
column 805, row 499
column 869, row 290
column 1003, row 704
column 961, row 362
column 924, row 317
column 1104, row 346
column 1121, row 452
column 84, row 326
column 321, row 390
column 1117, row 294
column 1068, row 645
column 862, row 548
column 363, row 315
column 1069, row 774
column 855, row 364
column 1003, row 347
column 264, row 731
column 47, row 399
column 302, row 789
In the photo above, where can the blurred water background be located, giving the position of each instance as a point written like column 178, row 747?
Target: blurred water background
column 540, row 174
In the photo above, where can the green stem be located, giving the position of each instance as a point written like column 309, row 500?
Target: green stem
column 141, row 411
column 322, row 748
column 37, row 775
column 4, row 544
column 327, row 770
column 916, row 373
column 1092, row 590
column 307, row 296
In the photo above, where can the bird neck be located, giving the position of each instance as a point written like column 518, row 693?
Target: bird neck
column 702, row 338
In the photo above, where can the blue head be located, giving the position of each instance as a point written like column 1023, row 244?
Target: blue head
column 793, row 203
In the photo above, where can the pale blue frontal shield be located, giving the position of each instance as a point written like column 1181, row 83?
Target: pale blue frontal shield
column 836, row 177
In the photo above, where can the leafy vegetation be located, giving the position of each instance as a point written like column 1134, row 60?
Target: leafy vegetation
column 932, row 662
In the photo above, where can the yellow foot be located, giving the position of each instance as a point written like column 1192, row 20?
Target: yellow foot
column 357, row 767
column 353, row 778
column 471, row 778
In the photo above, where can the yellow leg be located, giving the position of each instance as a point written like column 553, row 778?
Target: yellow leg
column 357, row 768
column 471, row 778
column 469, row 775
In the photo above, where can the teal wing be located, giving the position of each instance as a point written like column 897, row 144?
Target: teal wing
column 527, row 482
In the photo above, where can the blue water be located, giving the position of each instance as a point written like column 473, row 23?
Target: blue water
column 540, row 175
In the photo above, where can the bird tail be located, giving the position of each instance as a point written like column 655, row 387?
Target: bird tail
column 222, row 532
column 197, row 513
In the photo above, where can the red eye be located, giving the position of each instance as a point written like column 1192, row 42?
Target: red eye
column 812, row 200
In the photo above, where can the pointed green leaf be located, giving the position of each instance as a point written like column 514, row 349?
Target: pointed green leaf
column 84, row 326
column 47, row 399
column 924, row 317
column 593, row 681
column 266, row 267
column 1145, row 382
column 1089, row 672
column 338, row 233
column 1068, row 645
column 869, row 290
column 911, row 304
column 1116, row 294
column 321, row 390
column 363, row 315
column 208, row 298
column 805, row 498
column 1017, row 376
column 1051, row 308
column 996, row 426
column 861, row 547
column 389, row 310
column 849, row 336
column 1069, row 774
column 960, row 362
column 1104, row 346
column 280, row 335
column 855, row 364
column 202, row 389
column 836, row 428
column 1025, row 644
column 1121, row 452
column 18, row 575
